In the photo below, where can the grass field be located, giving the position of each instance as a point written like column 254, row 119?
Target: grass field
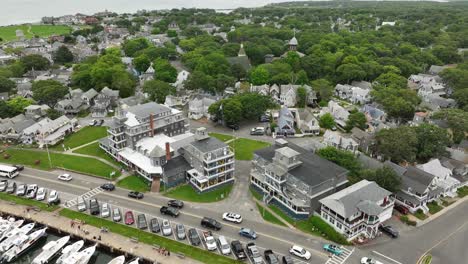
column 8, row 33
column 222, row 137
column 25, row 201
column 187, row 193
column 95, row 150
column 267, row 216
column 134, row 183
column 79, row 164
column 151, row 239
column 244, row 148
column 83, row 136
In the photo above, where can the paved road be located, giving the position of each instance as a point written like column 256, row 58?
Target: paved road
column 277, row 238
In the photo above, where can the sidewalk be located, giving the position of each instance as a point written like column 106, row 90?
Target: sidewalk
column 443, row 211
column 112, row 240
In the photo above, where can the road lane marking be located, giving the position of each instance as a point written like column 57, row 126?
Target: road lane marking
column 386, row 257
column 317, row 252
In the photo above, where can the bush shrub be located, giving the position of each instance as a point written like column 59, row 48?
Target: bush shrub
column 327, row 231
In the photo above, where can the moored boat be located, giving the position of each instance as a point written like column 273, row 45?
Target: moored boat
column 117, row 260
column 50, row 250
column 70, row 250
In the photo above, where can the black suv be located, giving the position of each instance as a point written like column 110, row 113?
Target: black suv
column 210, row 223
column 94, row 207
column 175, row 203
column 136, row 195
column 193, row 237
column 165, row 210
column 389, row 231
column 108, row 186
column 238, row 250
column 270, row 257
column 154, row 226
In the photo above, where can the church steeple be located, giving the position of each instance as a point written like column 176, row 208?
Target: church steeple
column 241, row 51
column 293, row 42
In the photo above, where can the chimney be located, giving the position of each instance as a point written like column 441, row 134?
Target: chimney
column 168, row 151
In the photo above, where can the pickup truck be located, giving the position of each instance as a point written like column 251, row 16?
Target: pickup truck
column 254, row 253
column 209, row 240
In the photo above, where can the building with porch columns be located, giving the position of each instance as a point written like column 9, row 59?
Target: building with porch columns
column 358, row 209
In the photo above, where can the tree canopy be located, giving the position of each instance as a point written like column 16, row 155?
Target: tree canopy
column 48, row 92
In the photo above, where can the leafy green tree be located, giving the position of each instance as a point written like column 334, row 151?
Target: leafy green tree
column 356, row 119
column 259, row 76
column 17, row 69
column 342, row 158
column 398, row 144
column 124, row 83
column 158, row 90
column 63, row 55
column 350, row 72
column 198, row 80
column 48, row 92
column 301, row 97
column 171, row 33
column 323, row 88
column 164, row 71
column 238, row 71
column 461, row 96
column 6, row 111
column 301, row 78
column 432, row 141
column 232, row 111
column 457, row 120
column 222, row 81
column 254, row 105
column 213, row 64
column 19, row 103
column 327, row 121
column 130, row 47
column 385, row 177
column 36, row 62
column 6, row 85
column 391, row 80
column 141, row 63
column 53, row 114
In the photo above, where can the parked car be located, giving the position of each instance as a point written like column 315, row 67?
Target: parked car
column 105, row 210
column 154, row 225
column 21, row 190
column 116, row 215
column 366, row 260
column 210, row 223
column 101, row 122
column 248, row 233
column 3, row 185
column 53, row 197
column 171, row 211
column 94, row 206
column 264, row 119
column 31, row 191
column 299, row 251
column 232, row 217
column 11, row 188
column 332, row 249
column 175, row 203
column 108, row 187
column 136, row 195
column 193, row 237
column 257, row 131
column 254, row 253
column 65, row 177
column 93, row 122
column 141, row 221
column 129, row 219
column 270, row 257
column 389, row 230
column 180, row 231
column 238, row 250
column 19, row 167
column 81, row 204
column 233, row 126
column 401, row 208
column 224, row 245
column 166, row 228
column 287, row 260
column 41, row 194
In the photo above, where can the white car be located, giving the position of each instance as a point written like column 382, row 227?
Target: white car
column 41, row 194
column 166, row 228
column 53, row 197
column 65, row 177
column 366, row 260
column 299, row 251
column 232, row 217
column 105, row 210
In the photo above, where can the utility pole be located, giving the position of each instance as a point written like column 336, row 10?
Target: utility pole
column 48, row 154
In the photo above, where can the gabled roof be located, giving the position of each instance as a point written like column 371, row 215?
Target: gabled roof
column 90, row 94
column 144, row 110
column 412, row 178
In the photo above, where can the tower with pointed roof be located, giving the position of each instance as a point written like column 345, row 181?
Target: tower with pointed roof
column 241, row 52
column 293, row 42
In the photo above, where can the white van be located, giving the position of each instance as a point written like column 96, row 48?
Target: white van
column 224, row 245
column 81, row 204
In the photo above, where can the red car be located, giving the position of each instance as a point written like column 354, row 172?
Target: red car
column 129, row 219
column 400, row 208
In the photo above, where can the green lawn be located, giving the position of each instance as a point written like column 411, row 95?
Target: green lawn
column 151, row 239
column 420, row 215
column 462, row 192
column 187, row 193
column 25, row 201
column 8, row 33
column 244, row 148
column 222, row 137
column 256, row 194
column 434, row 207
column 95, row 150
column 134, row 183
column 83, row 136
column 267, row 216
column 79, row 164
